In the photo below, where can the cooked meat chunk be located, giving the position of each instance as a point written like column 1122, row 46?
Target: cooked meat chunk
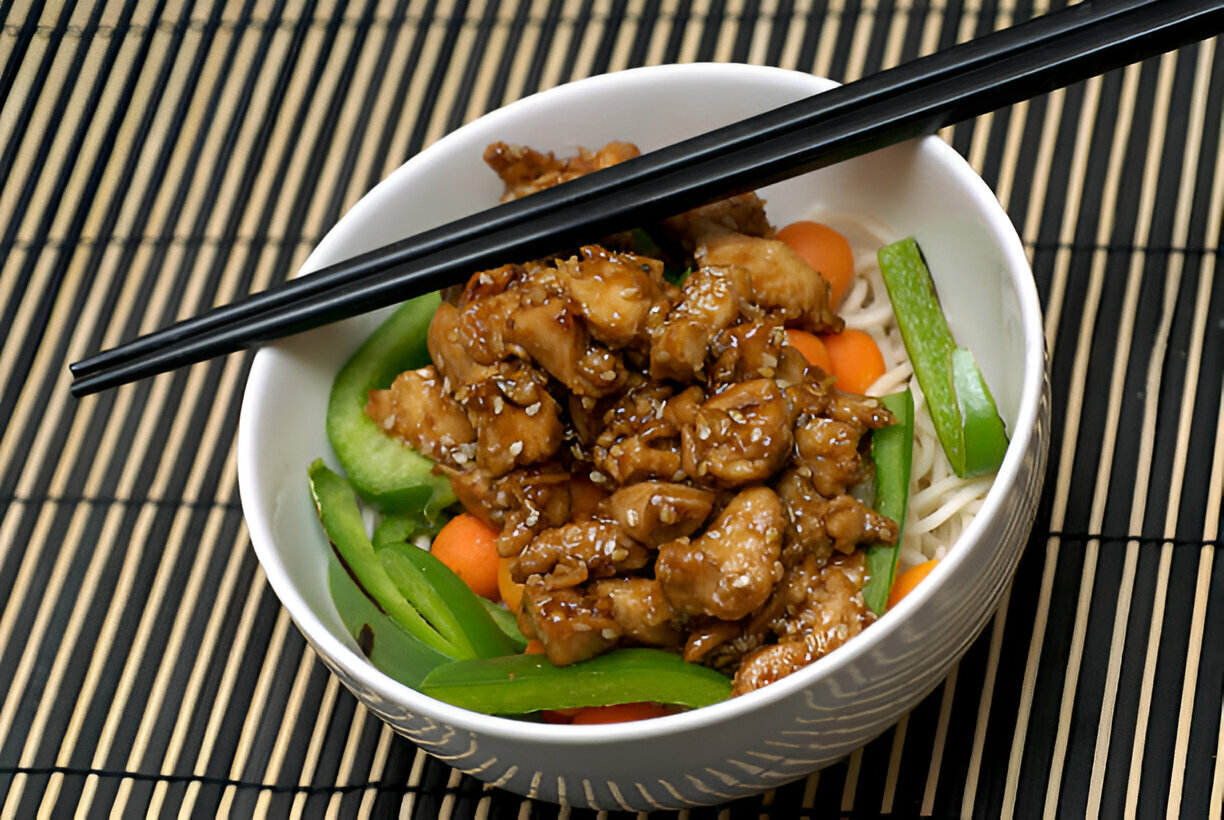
column 510, row 435
column 749, row 350
column 743, row 214
column 739, row 436
column 525, row 170
column 641, row 610
column 420, row 412
column 819, row 609
column 731, row 568
column 619, row 297
column 571, row 624
column 639, row 441
column 521, row 503
column 711, row 299
column 653, row 512
column 830, row 451
column 781, row 281
column 573, row 553
column 449, row 353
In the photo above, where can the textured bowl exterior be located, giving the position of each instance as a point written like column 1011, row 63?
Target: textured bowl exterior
column 809, row 719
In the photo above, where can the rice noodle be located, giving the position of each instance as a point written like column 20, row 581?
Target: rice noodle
column 941, row 504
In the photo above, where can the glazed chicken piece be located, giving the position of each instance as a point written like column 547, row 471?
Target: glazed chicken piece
column 829, row 449
column 739, row 436
column 620, row 297
column 638, row 440
column 571, row 624
column 782, row 282
column 819, row 524
column 742, row 214
column 748, row 350
column 730, row 569
column 520, row 504
column 816, row 609
column 449, row 353
column 420, row 413
column 711, row 299
column 641, row 610
column 513, row 434
column 571, row 554
column 653, row 512
column 525, row 170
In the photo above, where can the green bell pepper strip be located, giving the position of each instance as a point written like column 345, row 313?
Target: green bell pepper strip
column 387, row 645
column 892, row 449
column 965, row 416
column 520, row 684
column 447, row 603
column 985, row 433
column 382, row 469
column 507, row 622
column 342, row 522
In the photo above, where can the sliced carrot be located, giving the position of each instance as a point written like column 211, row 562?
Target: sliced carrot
column 855, row 358
column 469, row 547
column 619, row 713
column 811, row 347
column 909, row 579
column 534, row 647
column 511, row 592
column 826, row 250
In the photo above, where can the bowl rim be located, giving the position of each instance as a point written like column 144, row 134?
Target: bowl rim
column 355, row 665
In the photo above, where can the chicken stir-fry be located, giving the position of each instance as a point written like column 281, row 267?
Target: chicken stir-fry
column 664, row 469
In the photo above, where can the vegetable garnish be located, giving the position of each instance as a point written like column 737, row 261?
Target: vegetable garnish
column 529, row 683
column 855, row 359
column 909, row 579
column 892, row 449
column 382, row 470
column 469, row 547
column 345, row 529
column 966, row 419
column 825, row 250
column 416, row 590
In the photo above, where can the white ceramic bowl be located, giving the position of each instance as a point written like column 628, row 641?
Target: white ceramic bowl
column 805, row 721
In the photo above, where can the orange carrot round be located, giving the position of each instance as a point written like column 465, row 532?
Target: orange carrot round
column 909, row 579
column 619, row 713
column 511, row 592
column 826, row 250
column 855, row 358
column 469, row 547
column 812, row 348
column 534, row 647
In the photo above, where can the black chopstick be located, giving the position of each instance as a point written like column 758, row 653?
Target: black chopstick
column 796, row 117
column 1054, row 55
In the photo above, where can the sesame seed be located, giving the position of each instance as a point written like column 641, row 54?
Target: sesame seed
column 598, row 477
column 516, row 448
column 741, row 582
column 485, row 279
column 608, row 375
column 632, row 517
column 620, row 554
column 579, row 626
column 460, row 457
column 736, row 416
column 389, row 422
column 667, row 514
column 609, row 633
column 756, row 434
column 498, row 405
column 532, row 409
column 703, row 432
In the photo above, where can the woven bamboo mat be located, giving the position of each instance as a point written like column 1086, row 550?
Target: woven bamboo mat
column 159, row 157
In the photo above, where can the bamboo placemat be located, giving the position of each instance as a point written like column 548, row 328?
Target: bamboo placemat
column 160, row 157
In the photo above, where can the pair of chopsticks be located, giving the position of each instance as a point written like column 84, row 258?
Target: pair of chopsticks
column 913, row 99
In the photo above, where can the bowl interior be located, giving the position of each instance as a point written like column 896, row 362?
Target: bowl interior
column 920, row 188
